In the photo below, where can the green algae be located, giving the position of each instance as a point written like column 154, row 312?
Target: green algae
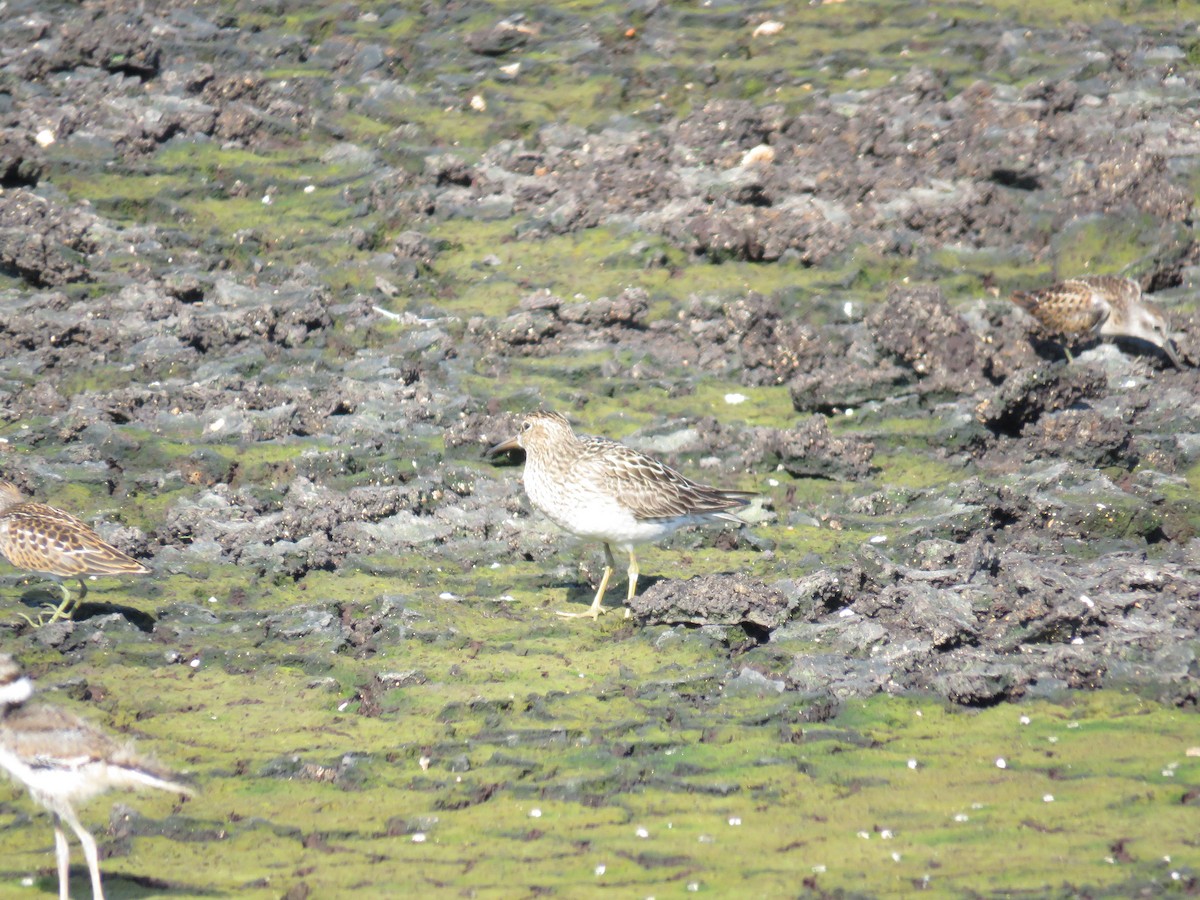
column 1132, row 12
column 129, row 198
column 622, row 774
column 621, row 412
column 830, row 543
column 965, row 273
column 520, row 752
column 284, row 200
column 563, row 264
column 1102, row 244
column 907, row 470
column 758, row 406
column 595, row 263
column 1192, row 475
column 524, row 105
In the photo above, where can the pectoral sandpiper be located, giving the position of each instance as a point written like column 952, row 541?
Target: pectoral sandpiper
column 41, row 538
column 596, row 488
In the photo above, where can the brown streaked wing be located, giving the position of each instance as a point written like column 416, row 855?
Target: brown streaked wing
column 49, row 513
column 44, row 539
column 1118, row 289
column 649, row 489
column 1070, row 307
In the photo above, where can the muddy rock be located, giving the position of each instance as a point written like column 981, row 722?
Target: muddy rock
column 497, row 40
column 42, row 241
column 811, row 451
column 125, row 47
column 915, row 326
column 711, row 600
column 20, row 161
column 1083, row 435
column 848, row 384
column 821, row 593
column 545, row 324
column 944, row 618
column 1026, row 396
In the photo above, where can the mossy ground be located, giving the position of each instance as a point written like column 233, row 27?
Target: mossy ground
column 508, row 752
column 542, row 756
column 488, row 747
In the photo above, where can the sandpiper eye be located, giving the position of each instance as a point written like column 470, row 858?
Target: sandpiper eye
column 526, row 426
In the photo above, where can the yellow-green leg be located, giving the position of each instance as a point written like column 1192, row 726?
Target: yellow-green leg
column 64, row 610
column 67, row 608
column 597, row 608
column 633, row 577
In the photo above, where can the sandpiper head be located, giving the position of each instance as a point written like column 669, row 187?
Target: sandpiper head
column 538, row 429
column 10, row 495
column 15, row 687
column 1148, row 322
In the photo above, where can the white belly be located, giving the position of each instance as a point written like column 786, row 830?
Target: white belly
column 595, row 515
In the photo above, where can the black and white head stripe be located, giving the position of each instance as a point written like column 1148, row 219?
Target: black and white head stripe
column 15, row 687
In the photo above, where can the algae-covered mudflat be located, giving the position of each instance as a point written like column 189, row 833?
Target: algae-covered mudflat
column 273, row 276
column 633, row 776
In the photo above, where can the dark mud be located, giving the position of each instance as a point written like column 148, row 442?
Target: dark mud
column 274, row 276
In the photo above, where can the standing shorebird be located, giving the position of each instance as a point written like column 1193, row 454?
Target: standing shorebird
column 63, row 760
column 41, row 538
column 600, row 489
column 1104, row 305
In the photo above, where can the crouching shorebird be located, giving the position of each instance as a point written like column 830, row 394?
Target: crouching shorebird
column 1104, row 305
column 41, row 538
column 597, row 488
column 63, row 760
